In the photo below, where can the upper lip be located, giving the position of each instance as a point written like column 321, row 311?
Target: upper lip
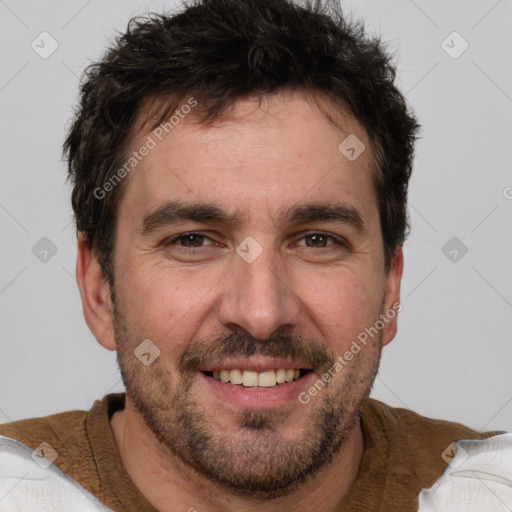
column 256, row 363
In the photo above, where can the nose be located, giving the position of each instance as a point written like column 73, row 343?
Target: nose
column 258, row 297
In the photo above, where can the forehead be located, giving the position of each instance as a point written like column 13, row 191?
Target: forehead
column 262, row 156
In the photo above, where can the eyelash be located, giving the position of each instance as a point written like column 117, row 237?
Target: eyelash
column 172, row 241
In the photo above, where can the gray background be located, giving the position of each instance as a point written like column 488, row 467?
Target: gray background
column 452, row 356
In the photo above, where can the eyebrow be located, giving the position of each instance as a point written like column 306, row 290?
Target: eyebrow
column 175, row 211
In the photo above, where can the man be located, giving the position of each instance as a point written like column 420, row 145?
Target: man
column 240, row 178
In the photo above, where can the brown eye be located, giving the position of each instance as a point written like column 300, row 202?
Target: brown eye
column 322, row 241
column 192, row 240
column 189, row 241
column 317, row 240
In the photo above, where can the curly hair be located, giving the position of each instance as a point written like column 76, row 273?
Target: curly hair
column 220, row 51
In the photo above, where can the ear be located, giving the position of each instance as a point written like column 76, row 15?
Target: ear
column 95, row 294
column 392, row 296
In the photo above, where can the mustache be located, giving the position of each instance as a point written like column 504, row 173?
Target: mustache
column 238, row 344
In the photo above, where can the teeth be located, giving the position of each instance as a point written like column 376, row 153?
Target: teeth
column 250, row 378
column 236, row 377
column 247, row 378
column 281, row 376
column 267, row 379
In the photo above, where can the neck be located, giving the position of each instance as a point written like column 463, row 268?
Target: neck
column 170, row 485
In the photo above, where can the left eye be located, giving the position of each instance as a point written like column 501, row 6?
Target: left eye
column 319, row 240
column 194, row 239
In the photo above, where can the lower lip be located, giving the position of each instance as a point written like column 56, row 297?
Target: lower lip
column 250, row 398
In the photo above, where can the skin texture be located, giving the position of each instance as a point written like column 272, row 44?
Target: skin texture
column 304, row 298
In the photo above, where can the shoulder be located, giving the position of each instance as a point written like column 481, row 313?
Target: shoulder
column 53, row 425
column 453, row 465
column 478, row 477
column 413, row 428
column 69, row 438
column 401, row 419
column 49, row 459
column 68, row 433
column 64, row 433
column 29, row 481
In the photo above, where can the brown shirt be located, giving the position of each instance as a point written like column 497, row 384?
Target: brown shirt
column 402, row 455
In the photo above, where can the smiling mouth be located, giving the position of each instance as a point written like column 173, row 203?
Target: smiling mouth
column 252, row 379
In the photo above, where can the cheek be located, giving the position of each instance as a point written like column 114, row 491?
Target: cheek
column 165, row 304
column 343, row 305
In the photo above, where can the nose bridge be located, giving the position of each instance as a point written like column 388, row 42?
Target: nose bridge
column 259, row 297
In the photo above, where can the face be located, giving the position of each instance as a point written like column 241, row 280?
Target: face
column 250, row 254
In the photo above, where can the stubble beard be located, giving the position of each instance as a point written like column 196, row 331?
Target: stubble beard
column 259, row 462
